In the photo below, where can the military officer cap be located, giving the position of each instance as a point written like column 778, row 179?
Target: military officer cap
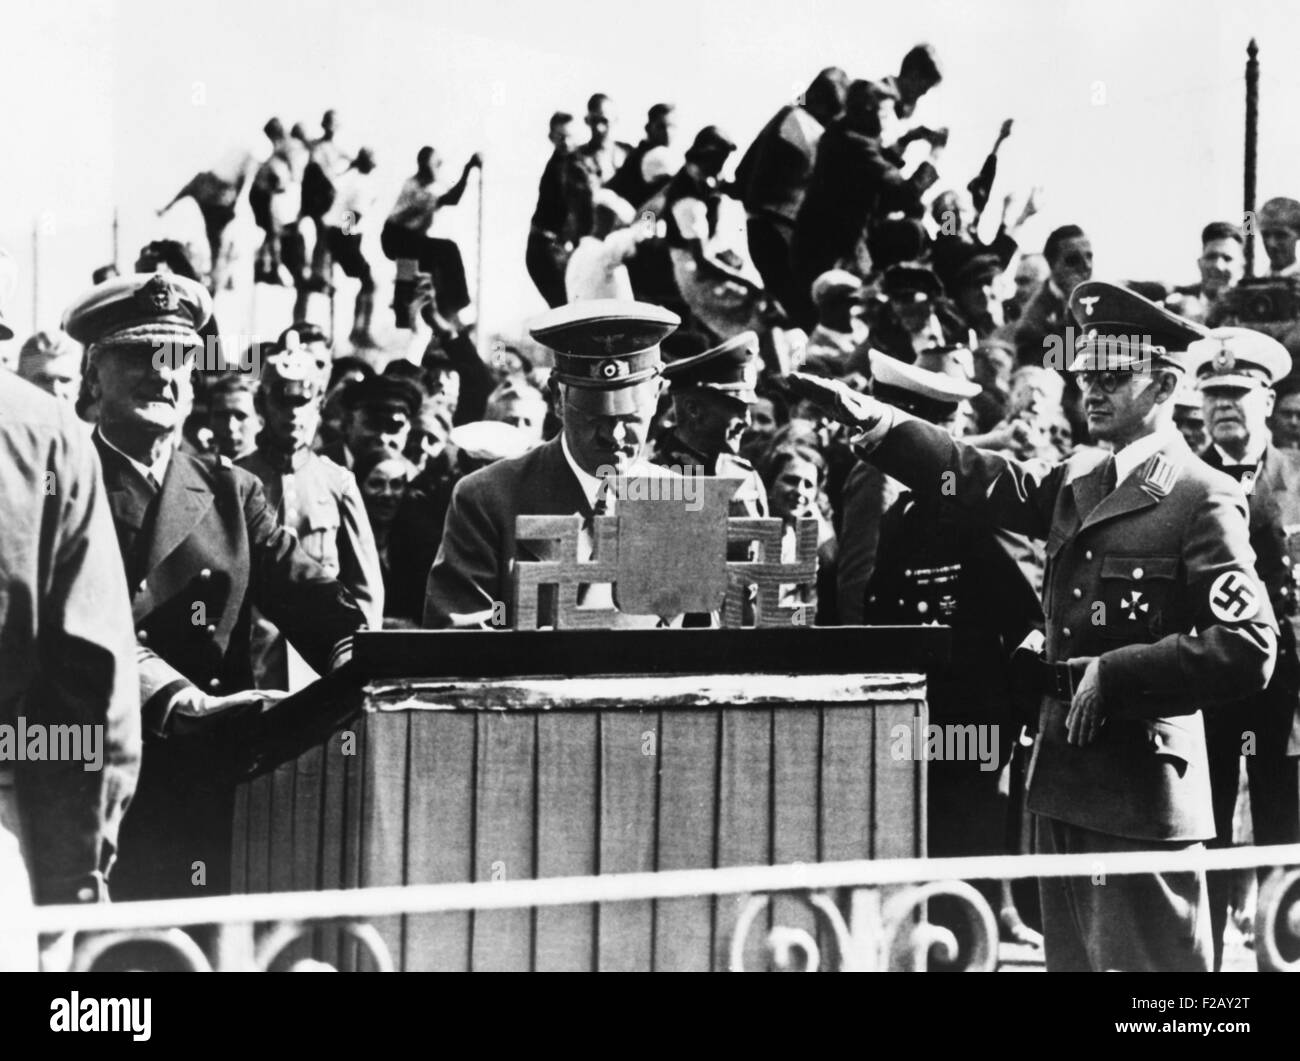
column 291, row 377
column 908, row 282
column 140, row 309
column 729, row 369
column 932, row 393
column 1187, row 402
column 44, row 347
column 1124, row 332
column 606, row 351
column 835, row 281
column 1238, row 357
column 390, row 395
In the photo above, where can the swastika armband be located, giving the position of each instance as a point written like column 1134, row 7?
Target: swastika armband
column 1234, row 597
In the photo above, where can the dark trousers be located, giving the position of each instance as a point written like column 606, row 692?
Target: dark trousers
column 440, row 258
column 769, row 247
column 345, row 248
column 1134, row 922
column 545, row 260
column 1274, row 779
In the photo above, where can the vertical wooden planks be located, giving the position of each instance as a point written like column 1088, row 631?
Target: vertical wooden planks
column 897, row 822
column 505, row 816
column 440, row 834
column 332, row 831
column 848, row 748
column 383, row 808
column 354, row 785
column 744, row 821
column 258, row 863
column 567, row 834
column 629, row 765
column 688, row 808
column 796, row 795
column 239, row 842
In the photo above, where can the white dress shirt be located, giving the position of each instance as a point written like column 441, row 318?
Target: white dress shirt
column 153, row 474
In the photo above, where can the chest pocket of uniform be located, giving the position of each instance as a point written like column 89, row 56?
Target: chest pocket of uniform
column 1136, row 592
column 321, row 536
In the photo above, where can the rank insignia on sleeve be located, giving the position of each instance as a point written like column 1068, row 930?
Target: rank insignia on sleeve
column 1160, row 475
column 1234, row 597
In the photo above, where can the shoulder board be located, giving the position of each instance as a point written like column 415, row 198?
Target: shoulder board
column 1159, row 476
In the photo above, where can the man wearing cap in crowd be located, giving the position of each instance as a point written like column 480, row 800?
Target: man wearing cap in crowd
column 1189, row 417
column 201, row 547
column 915, row 315
column 837, row 296
column 52, row 361
column 1279, row 228
column 1236, row 370
column 712, row 391
column 975, row 293
column 930, row 566
column 607, row 367
column 313, row 497
column 381, row 411
column 1145, row 544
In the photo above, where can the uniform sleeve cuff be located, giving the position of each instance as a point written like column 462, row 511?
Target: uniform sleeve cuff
column 157, row 713
column 868, row 440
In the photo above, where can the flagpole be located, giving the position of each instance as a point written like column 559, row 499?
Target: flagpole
column 1252, row 149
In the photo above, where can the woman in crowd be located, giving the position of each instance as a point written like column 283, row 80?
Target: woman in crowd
column 383, row 478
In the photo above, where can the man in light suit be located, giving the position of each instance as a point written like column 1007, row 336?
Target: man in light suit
column 1237, row 370
column 1145, row 545
column 607, row 365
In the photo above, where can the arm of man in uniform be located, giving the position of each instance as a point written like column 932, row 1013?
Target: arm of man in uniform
column 459, row 592
column 88, row 680
column 359, row 568
column 1234, row 649
column 987, row 486
column 868, row 494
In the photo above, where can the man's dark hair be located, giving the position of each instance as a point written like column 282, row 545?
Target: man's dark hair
column 923, row 64
column 659, row 112
column 1217, row 230
column 343, row 365
column 166, row 252
column 402, row 369
column 274, row 129
column 824, row 99
column 423, row 155
column 560, row 118
column 596, row 100
column 1053, row 245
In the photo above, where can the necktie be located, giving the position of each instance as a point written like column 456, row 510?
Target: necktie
column 595, row 595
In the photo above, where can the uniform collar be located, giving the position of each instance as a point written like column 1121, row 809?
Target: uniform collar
column 280, row 460
column 1136, row 453
column 1254, row 454
column 590, row 484
column 153, row 474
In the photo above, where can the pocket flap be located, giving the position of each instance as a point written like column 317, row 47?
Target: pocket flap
column 1137, row 568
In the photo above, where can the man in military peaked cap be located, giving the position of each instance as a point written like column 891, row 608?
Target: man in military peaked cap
column 1145, row 544
column 712, row 391
column 200, row 546
column 1236, row 370
column 607, row 367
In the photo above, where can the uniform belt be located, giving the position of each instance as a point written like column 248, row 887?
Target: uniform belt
column 1055, row 680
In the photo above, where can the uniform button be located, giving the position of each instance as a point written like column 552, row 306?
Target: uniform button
column 1076, row 593
column 1137, row 572
column 922, row 607
column 144, row 585
column 205, row 574
column 1088, row 555
column 215, row 684
column 902, row 603
column 211, row 629
column 142, row 636
column 1065, row 631
column 85, row 895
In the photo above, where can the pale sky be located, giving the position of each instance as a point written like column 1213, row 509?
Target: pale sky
column 1128, row 112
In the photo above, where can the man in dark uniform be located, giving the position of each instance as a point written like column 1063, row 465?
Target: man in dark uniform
column 313, row 497
column 201, row 547
column 67, row 659
column 1144, row 545
column 933, row 567
column 712, row 392
column 1237, row 371
column 381, row 413
column 607, row 366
